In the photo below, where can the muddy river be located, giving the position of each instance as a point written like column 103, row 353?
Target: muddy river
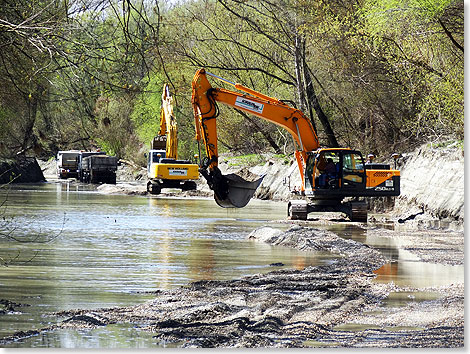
column 76, row 248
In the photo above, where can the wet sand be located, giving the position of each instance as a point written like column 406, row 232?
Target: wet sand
column 334, row 305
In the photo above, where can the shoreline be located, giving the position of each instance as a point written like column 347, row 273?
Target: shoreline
column 335, row 305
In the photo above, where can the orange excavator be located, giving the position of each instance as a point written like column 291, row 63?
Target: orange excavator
column 333, row 179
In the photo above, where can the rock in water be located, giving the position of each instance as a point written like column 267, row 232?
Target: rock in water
column 20, row 170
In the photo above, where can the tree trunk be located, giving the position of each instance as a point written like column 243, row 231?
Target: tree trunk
column 298, row 60
column 313, row 100
column 266, row 135
column 28, row 134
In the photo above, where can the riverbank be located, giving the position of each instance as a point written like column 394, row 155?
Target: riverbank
column 336, row 305
column 20, row 170
column 350, row 302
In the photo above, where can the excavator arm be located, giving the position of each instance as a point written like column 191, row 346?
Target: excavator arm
column 164, row 170
column 168, row 126
column 233, row 190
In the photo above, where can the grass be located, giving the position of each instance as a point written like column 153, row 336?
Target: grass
column 247, row 160
column 251, row 160
column 448, row 143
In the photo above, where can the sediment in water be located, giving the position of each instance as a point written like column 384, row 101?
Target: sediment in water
column 289, row 308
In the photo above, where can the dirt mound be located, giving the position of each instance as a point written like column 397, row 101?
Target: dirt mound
column 123, row 188
column 243, row 175
column 20, row 170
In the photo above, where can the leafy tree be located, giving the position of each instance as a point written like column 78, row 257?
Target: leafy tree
column 249, row 46
column 146, row 112
column 377, row 75
column 375, row 64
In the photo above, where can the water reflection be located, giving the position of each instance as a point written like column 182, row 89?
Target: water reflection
column 115, row 336
column 115, row 249
column 201, row 260
column 405, row 268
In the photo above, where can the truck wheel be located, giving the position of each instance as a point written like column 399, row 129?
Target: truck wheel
column 189, row 186
column 92, row 177
column 297, row 210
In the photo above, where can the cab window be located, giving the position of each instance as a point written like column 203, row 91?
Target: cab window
column 352, row 169
column 156, row 158
column 352, row 163
column 309, row 172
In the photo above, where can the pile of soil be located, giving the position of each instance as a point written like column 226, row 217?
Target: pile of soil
column 243, row 175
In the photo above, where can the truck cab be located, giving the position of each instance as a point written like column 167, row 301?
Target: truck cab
column 67, row 164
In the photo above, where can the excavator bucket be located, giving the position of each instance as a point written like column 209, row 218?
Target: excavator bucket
column 238, row 190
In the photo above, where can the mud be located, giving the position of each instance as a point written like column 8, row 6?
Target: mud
column 7, row 306
column 318, row 306
column 243, row 175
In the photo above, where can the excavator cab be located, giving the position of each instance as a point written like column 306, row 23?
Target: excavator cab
column 336, row 172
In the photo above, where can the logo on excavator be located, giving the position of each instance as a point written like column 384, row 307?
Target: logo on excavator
column 178, row 171
column 248, row 104
column 383, row 189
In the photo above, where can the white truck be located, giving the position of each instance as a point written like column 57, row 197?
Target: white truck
column 67, row 164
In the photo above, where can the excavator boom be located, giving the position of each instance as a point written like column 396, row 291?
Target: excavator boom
column 164, row 170
column 168, row 126
column 235, row 191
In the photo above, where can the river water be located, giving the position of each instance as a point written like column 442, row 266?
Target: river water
column 76, row 248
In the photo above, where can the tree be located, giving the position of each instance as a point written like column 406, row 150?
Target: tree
column 221, row 39
column 26, row 55
column 375, row 75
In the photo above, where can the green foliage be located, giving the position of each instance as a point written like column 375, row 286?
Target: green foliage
column 285, row 159
column 390, row 74
column 385, row 16
column 410, row 36
column 114, row 133
column 247, row 160
column 146, row 110
column 448, row 144
column 387, row 73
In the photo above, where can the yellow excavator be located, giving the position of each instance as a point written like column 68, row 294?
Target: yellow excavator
column 164, row 170
column 333, row 179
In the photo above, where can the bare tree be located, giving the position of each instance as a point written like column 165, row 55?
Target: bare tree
column 259, row 42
